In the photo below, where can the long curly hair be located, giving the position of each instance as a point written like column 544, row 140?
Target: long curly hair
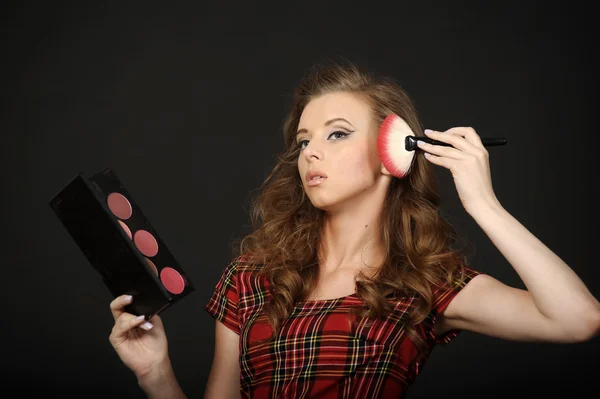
column 286, row 226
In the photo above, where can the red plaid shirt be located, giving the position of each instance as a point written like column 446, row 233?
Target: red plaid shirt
column 318, row 354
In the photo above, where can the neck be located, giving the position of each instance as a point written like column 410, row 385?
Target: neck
column 352, row 239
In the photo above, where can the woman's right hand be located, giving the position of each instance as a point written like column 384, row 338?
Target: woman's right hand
column 141, row 345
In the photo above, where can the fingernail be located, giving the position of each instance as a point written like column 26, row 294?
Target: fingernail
column 427, row 131
column 140, row 317
column 128, row 298
column 146, row 326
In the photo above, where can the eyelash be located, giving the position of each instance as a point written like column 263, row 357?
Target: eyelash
column 344, row 135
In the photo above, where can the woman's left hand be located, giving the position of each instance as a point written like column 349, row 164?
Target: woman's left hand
column 468, row 160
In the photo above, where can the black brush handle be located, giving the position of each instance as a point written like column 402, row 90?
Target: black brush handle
column 411, row 142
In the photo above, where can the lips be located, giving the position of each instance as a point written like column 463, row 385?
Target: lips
column 315, row 177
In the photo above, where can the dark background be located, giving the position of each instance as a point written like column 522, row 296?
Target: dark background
column 185, row 103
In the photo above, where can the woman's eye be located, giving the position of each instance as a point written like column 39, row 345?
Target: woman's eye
column 338, row 135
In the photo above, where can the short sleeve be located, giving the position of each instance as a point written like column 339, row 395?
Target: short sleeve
column 223, row 305
column 442, row 296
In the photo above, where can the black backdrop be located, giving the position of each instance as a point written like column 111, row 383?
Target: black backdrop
column 185, row 102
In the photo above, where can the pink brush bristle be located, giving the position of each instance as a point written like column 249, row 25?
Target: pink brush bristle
column 391, row 145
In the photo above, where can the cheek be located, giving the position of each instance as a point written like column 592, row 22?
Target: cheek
column 355, row 165
column 301, row 163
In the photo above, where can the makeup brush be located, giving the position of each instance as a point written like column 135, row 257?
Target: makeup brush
column 396, row 145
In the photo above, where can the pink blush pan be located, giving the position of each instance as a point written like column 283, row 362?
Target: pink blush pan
column 152, row 266
column 145, row 243
column 119, row 206
column 126, row 229
column 172, row 280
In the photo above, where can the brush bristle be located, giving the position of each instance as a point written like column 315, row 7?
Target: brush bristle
column 391, row 145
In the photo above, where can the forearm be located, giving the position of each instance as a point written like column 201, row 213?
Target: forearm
column 161, row 384
column 557, row 291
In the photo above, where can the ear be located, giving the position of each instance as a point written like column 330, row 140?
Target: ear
column 384, row 171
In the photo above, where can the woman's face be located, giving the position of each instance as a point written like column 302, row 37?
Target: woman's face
column 338, row 142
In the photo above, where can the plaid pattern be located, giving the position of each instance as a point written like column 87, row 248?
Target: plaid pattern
column 318, row 354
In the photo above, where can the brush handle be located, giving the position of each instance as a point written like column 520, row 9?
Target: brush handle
column 411, row 142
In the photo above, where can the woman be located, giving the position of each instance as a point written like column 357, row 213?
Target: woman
column 351, row 277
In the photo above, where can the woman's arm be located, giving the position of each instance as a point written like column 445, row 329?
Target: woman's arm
column 224, row 378
column 556, row 307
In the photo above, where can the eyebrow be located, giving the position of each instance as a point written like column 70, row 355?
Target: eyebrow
column 329, row 122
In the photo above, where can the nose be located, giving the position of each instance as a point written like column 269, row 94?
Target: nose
column 312, row 152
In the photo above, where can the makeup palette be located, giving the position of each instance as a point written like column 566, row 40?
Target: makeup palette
column 120, row 243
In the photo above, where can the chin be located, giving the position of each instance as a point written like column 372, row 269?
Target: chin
column 334, row 200
column 325, row 202
column 319, row 201
column 320, row 204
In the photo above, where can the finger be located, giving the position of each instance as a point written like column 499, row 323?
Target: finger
column 441, row 161
column 118, row 304
column 468, row 133
column 471, row 137
column 447, row 152
column 155, row 321
column 127, row 322
column 453, row 138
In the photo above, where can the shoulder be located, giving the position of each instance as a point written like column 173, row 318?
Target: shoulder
column 244, row 266
column 243, row 275
column 241, row 265
column 445, row 291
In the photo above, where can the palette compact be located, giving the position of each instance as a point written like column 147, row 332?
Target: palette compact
column 120, row 243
